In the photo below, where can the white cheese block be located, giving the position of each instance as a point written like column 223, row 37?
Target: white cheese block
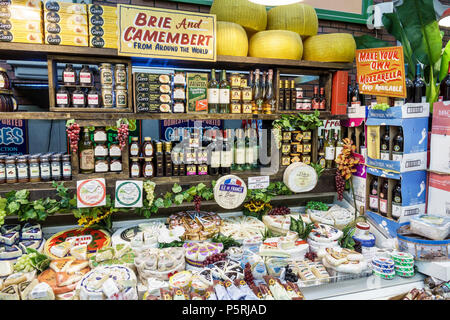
column 10, row 252
column 9, row 238
column 15, row 278
column 42, row 291
column 230, row 191
column 9, row 293
column 6, row 228
column 6, row 268
column 61, row 249
column 300, row 177
column 79, row 252
column 31, row 234
column 26, row 287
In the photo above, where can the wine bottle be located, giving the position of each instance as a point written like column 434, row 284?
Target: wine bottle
column 419, row 86
column 213, row 93
column 373, row 195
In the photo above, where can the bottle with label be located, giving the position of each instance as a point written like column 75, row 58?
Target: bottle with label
column 120, row 75
column 93, row 98
column 106, row 75
column 66, row 168
column 384, row 145
column 248, row 151
column 293, row 95
column 69, row 75
column 257, row 95
column 226, row 155
column 134, row 147
column 213, row 93
column 316, row 100
column 114, row 150
column 224, row 93
column 135, row 168
column 330, row 149
column 55, row 165
column 445, row 87
column 86, row 76
column 148, row 169
column 321, row 158
column 214, row 150
column 419, row 86
column 281, row 96
column 254, row 147
column 168, row 158
column 287, row 96
column 35, row 173
column 397, row 149
column 397, row 200
column 384, row 198
column 159, row 157
column 356, row 99
column 239, row 150
column 44, row 166
column 100, row 135
column 86, row 149
column 22, row 169
column 62, row 98
column 410, row 87
column 11, row 169
column 339, row 144
column 100, row 150
column 78, row 98
column 349, row 91
column 115, row 164
column 373, row 195
column 322, row 100
column 269, row 100
column 147, row 148
column 263, row 85
column 101, row 165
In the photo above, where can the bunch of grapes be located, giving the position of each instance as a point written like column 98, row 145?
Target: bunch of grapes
column 122, row 135
column 357, row 247
column 290, row 276
column 197, row 202
column 248, row 275
column 2, row 217
column 73, row 132
column 215, row 258
column 149, row 188
column 280, row 211
column 310, row 255
column 340, row 185
column 24, row 263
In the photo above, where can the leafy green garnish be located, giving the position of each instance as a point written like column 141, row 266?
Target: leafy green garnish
column 226, row 241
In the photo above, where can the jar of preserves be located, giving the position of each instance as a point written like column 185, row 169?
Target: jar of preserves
column 66, row 167
column 306, row 158
column 114, row 149
column 35, row 172
column 55, row 165
column 100, row 135
column 69, row 75
column 2, row 169
column 135, row 168
column 85, row 76
column 5, row 103
column 306, row 146
column 120, row 74
column 107, row 97
column 45, row 168
column 235, row 80
column 148, row 170
column 62, row 98
column 115, row 164
column 11, row 169
column 5, row 84
column 134, row 147
column 22, row 169
column 286, row 136
column 121, row 97
column 307, row 135
column 285, row 148
column 106, row 76
column 147, row 147
column 101, row 150
column 78, row 98
column 93, row 98
column 101, row 165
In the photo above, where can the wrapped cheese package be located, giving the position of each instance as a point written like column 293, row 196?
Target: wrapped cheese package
column 221, row 292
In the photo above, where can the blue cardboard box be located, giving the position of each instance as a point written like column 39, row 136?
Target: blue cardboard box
column 405, row 111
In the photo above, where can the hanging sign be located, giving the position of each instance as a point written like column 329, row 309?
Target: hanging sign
column 167, row 34
column 13, row 137
column 381, row 72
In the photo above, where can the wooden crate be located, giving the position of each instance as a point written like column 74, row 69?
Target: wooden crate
column 52, row 60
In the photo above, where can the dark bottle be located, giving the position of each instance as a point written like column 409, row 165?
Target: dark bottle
column 159, row 159
column 168, row 158
column 397, row 149
column 287, row 96
column 78, row 98
column 86, row 149
column 226, row 155
column 281, row 96
column 445, row 87
column 373, row 195
column 355, row 94
column 384, row 145
column 322, row 101
column 397, row 200
column 419, row 86
column 69, row 75
column 409, row 87
column 93, row 98
column 316, row 100
column 349, row 91
column 134, row 147
column 85, row 76
column 148, row 170
column 63, row 98
column 384, row 198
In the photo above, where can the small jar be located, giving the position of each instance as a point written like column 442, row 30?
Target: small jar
column 101, row 150
column 62, row 98
column 121, row 97
column 5, row 84
column 106, row 76
column 11, row 169
column 134, row 147
column 135, row 168
column 45, row 168
column 101, row 165
column 307, row 104
column 35, row 172
column 55, row 165
column 286, row 136
column 147, row 147
column 85, row 76
column 148, row 170
column 66, row 168
column 78, row 98
column 297, row 136
column 2, row 169
column 296, row 147
column 22, row 169
column 93, row 98
column 115, row 165
column 107, row 97
column 100, row 135
column 306, row 146
column 69, row 75
column 120, row 74
column 307, row 135
column 306, row 158
column 235, row 80
column 114, row 149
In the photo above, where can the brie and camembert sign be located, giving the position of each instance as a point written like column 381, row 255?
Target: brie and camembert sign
column 381, row 72
column 167, row 34
column 91, row 193
column 230, row 191
column 128, row 194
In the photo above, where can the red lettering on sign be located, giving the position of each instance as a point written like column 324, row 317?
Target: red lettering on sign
column 127, row 35
column 184, row 39
column 141, row 19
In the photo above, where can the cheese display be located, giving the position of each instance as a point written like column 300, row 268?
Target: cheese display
column 343, row 260
column 323, row 236
column 279, row 224
column 197, row 252
column 121, row 254
column 335, row 216
column 288, row 246
column 198, row 225
column 142, row 234
column 241, row 227
column 15, row 239
column 159, row 263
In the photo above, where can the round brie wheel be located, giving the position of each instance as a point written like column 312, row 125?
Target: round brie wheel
column 300, row 177
column 230, row 191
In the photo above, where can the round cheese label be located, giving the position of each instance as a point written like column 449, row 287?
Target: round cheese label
column 91, row 193
column 300, row 177
column 230, row 191
column 128, row 194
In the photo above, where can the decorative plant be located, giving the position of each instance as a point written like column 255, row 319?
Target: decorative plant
column 414, row 24
column 319, row 169
column 317, row 205
column 347, row 239
column 303, row 229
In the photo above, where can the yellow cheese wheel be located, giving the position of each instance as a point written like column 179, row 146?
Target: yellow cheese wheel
column 251, row 16
column 332, row 47
column 297, row 17
column 276, row 44
column 231, row 39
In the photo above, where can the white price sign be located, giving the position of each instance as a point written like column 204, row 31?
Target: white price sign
column 260, row 182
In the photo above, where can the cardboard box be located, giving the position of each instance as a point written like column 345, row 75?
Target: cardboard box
column 21, row 13
column 66, row 40
column 413, row 193
column 36, row 4
column 102, row 42
column 406, row 111
column 104, row 32
column 339, row 92
column 56, row 28
column 415, row 140
column 437, row 269
column 64, row 7
column 66, row 18
column 440, row 138
column 102, row 20
column 22, row 26
column 438, row 194
column 99, row 10
column 357, row 111
column 196, row 92
column 23, row 37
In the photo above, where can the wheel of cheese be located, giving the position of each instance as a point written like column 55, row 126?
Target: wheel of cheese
column 324, row 233
column 300, row 177
column 230, row 191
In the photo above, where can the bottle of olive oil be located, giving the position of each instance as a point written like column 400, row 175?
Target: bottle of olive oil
column 87, row 161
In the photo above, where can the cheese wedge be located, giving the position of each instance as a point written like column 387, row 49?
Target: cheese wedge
column 25, row 288
column 9, row 293
column 67, row 296
column 76, row 266
column 15, row 278
column 42, row 291
column 61, row 249
column 6, row 268
column 104, row 254
column 61, row 265
column 79, row 252
column 65, row 279
column 9, row 238
column 10, row 252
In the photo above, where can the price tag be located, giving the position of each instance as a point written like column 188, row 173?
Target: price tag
column 260, row 182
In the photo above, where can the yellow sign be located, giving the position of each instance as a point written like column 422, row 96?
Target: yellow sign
column 167, row 34
column 381, row 72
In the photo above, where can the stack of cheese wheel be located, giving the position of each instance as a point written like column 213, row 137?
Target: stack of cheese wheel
column 383, row 267
column 404, row 264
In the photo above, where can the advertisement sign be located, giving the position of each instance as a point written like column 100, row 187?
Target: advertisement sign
column 166, row 34
column 13, row 137
column 381, row 72
column 91, row 193
column 168, row 126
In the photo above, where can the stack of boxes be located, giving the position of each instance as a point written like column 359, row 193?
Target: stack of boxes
column 404, row 170
column 21, row 21
column 65, row 23
column 103, row 32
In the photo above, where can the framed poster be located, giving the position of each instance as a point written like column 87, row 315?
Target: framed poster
column 13, row 137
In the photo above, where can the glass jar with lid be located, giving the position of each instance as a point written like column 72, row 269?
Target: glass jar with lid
column 2, row 169
column 121, row 97
column 55, row 165
column 120, row 74
column 100, row 135
column 101, row 150
column 11, row 169
column 78, row 98
column 135, row 168
column 115, row 164
column 45, row 168
column 107, row 97
column 114, row 149
column 106, row 76
column 69, row 75
column 101, row 165
column 134, row 147
column 66, row 167
column 86, row 76
column 35, row 172
column 93, row 98
column 5, row 84
column 148, row 169
column 62, row 98
column 22, row 169
column 147, row 147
